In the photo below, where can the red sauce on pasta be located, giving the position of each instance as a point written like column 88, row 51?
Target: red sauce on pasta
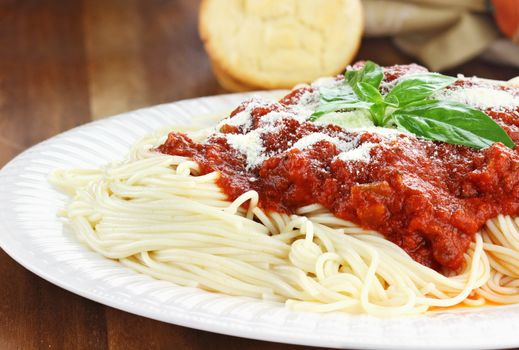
column 430, row 198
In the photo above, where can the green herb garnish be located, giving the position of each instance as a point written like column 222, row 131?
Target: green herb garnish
column 406, row 106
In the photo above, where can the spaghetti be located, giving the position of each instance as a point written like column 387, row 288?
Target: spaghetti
column 166, row 216
column 153, row 215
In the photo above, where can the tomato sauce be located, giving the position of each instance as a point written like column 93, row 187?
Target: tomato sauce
column 430, row 198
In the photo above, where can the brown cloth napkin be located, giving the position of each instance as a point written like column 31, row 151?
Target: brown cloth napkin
column 440, row 33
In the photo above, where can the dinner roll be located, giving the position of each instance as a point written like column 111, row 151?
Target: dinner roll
column 279, row 43
column 228, row 82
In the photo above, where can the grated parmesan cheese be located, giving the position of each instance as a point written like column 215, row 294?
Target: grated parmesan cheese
column 309, row 101
column 311, row 139
column 243, row 118
column 480, row 97
column 360, row 153
column 301, row 115
column 240, row 119
column 386, row 132
column 250, row 145
column 328, row 82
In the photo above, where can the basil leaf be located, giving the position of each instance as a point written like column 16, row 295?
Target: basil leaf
column 367, row 92
column 371, row 94
column 370, row 73
column 338, row 93
column 451, row 122
column 337, row 106
column 392, row 101
column 417, row 87
column 352, row 95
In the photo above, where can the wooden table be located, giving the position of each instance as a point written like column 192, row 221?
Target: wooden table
column 63, row 63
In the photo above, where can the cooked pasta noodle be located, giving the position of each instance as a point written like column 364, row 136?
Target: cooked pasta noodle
column 155, row 214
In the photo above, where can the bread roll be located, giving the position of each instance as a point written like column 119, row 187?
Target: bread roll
column 279, row 43
column 228, row 82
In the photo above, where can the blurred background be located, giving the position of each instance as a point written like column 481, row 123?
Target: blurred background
column 66, row 62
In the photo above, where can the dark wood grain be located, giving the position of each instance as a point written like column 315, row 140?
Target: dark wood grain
column 63, row 63
column 43, row 90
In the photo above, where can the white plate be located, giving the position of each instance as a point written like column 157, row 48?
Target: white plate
column 31, row 233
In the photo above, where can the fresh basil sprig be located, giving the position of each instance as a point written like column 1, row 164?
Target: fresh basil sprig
column 371, row 73
column 370, row 93
column 410, row 109
column 450, row 122
column 417, row 87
